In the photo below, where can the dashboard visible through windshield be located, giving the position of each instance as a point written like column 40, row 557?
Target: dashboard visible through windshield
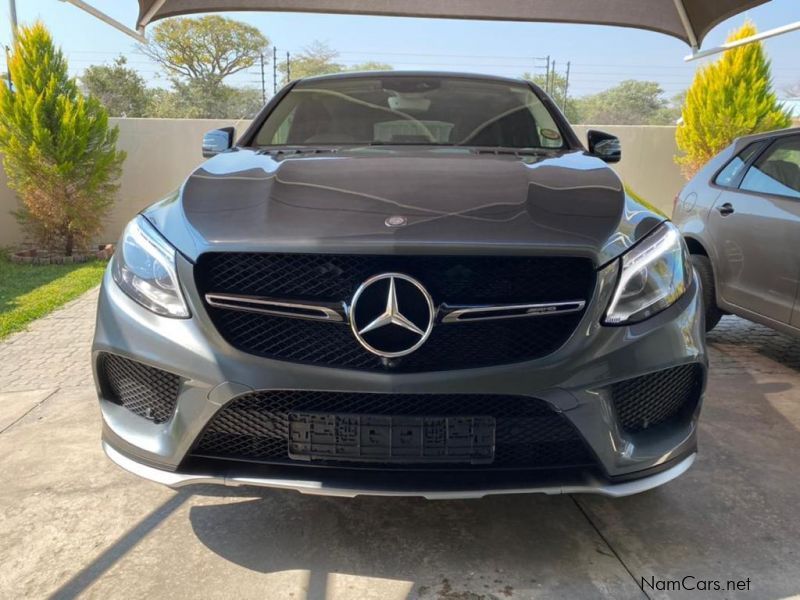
column 411, row 110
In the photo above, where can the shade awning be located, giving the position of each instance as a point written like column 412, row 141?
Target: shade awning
column 687, row 20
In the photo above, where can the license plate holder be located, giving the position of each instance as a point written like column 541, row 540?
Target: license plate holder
column 391, row 439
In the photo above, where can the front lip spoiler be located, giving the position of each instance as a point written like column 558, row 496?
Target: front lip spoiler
column 318, row 488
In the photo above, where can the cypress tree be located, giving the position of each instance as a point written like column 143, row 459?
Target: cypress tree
column 728, row 98
column 58, row 151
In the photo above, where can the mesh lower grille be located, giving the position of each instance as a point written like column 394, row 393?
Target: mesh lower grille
column 529, row 434
column 146, row 391
column 451, row 279
column 657, row 398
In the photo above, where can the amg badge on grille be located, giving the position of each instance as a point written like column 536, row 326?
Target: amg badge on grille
column 392, row 315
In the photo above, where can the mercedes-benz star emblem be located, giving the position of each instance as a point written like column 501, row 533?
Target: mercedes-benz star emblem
column 396, row 221
column 392, row 315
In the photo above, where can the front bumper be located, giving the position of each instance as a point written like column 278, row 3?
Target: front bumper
column 326, row 487
column 574, row 381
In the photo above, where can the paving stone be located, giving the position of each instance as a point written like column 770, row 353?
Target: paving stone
column 53, row 352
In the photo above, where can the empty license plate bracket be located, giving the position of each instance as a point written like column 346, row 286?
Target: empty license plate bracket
column 391, row 439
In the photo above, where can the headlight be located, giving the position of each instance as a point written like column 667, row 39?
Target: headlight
column 144, row 268
column 654, row 274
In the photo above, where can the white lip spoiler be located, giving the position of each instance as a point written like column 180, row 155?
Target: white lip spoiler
column 178, row 480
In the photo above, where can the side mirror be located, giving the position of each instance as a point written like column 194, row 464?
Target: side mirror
column 604, row 146
column 218, row 140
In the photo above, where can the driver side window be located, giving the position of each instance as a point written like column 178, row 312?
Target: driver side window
column 777, row 171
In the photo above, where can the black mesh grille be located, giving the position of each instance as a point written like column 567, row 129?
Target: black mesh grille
column 529, row 434
column 657, row 398
column 454, row 280
column 146, row 391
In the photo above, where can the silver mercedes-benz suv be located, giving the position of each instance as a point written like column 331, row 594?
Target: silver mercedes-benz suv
column 403, row 284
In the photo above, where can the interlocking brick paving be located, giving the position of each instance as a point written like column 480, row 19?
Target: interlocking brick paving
column 739, row 344
column 53, row 352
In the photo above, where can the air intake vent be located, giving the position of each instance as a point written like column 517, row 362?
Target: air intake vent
column 657, row 398
column 146, row 391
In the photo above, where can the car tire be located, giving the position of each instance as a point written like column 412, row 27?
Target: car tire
column 705, row 273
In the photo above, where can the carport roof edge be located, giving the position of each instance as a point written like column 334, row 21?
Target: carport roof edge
column 687, row 20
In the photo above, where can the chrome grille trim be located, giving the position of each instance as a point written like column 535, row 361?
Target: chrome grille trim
column 267, row 306
column 461, row 314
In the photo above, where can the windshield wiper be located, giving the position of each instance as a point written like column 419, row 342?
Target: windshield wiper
column 273, row 151
column 380, row 143
column 515, row 151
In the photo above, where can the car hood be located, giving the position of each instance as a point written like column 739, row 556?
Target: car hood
column 395, row 201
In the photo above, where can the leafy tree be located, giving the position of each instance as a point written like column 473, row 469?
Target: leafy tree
column 371, row 65
column 58, row 152
column 118, row 87
column 558, row 88
column 629, row 103
column 198, row 54
column 671, row 113
column 320, row 59
column 727, row 99
column 316, row 59
column 205, row 50
column 190, row 101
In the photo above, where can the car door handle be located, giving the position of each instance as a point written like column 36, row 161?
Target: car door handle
column 726, row 209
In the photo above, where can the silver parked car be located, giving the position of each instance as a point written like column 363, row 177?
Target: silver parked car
column 740, row 217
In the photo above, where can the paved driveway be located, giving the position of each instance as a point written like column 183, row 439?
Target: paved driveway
column 71, row 523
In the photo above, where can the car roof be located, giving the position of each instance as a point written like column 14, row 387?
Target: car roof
column 442, row 74
column 743, row 141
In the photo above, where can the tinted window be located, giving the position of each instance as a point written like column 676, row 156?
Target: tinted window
column 410, row 110
column 729, row 176
column 777, row 171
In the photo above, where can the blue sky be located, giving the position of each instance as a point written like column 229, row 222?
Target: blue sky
column 600, row 56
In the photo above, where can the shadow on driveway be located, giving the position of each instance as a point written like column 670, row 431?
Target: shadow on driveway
column 733, row 516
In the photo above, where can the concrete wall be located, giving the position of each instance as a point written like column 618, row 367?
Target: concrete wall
column 647, row 164
column 161, row 152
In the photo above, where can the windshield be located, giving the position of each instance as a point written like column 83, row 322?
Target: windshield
column 411, row 110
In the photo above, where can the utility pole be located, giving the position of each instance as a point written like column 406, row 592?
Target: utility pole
column 566, row 88
column 263, row 82
column 12, row 10
column 547, row 77
column 553, row 82
column 288, row 67
column 274, row 70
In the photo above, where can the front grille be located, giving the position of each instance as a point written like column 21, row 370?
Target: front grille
column 454, row 279
column 657, row 398
column 449, row 279
column 146, row 391
column 529, row 434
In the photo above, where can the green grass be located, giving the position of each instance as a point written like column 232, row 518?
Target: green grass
column 28, row 292
column 647, row 204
